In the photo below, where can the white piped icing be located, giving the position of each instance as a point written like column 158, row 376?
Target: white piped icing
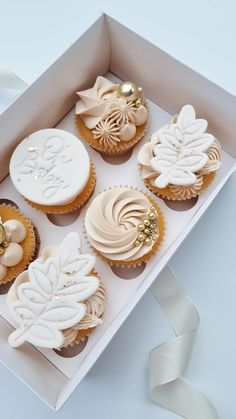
column 50, row 167
column 179, row 154
column 111, row 223
column 13, row 232
column 49, row 297
column 110, row 117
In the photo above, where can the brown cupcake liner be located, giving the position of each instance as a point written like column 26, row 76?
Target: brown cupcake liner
column 74, row 205
column 143, row 259
column 29, row 243
column 119, row 149
column 166, row 193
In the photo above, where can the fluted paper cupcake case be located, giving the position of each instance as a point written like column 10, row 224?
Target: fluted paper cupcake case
column 119, row 149
column 74, row 205
column 29, row 243
column 154, row 248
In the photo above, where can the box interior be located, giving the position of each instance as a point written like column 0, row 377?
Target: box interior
column 50, row 102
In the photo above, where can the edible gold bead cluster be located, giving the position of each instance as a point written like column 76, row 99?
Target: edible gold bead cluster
column 147, row 229
column 131, row 93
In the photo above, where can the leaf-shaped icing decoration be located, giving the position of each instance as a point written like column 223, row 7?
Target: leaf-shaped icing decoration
column 52, row 299
column 181, row 151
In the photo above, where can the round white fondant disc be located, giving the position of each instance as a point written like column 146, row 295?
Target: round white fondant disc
column 50, row 167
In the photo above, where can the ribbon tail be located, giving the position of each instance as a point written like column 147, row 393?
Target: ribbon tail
column 168, row 361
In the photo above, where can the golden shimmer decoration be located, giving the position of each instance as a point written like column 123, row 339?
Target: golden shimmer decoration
column 147, row 229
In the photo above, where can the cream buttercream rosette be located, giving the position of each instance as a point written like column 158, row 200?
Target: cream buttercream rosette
column 181, row 158
column 112, row 118
column 124, row 226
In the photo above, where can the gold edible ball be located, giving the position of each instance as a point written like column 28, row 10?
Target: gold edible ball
column 146, row 222
column 152, row 226
column 129, row 91
column 141, row 237
column 5, row 243
column 137, row 243
column 152, row 209
column 141, row 227
column 138, row 102
column 147, row 232
column 152, row 216
column 147, row 241
column 154, row 237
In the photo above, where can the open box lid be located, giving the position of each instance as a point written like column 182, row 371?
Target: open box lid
column 167, row 82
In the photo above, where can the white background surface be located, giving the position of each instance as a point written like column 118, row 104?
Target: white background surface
column 32, row 35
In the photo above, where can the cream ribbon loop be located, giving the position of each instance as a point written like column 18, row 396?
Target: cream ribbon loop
column 169, row 361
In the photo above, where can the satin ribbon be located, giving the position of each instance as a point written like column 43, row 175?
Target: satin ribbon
column 168, row 361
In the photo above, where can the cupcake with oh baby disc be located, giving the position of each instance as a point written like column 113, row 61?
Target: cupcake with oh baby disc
column 181, row 158
column 111, row 117
column 52, row 170
column 124, row 226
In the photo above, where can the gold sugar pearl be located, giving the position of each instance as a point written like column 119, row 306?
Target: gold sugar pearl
column 147, row 232
column 5, row 243
column 146, row 222
column 137, row 243
column 152, row 216
column 152, row 209
column 154, row 238
column 147, row 241
column 153, row 226
column 141, row 237
column 138, row 103
column 141, row 227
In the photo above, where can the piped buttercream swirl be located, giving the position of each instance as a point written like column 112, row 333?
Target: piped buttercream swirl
column 112, row 220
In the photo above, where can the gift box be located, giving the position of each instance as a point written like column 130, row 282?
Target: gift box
column 107, row 48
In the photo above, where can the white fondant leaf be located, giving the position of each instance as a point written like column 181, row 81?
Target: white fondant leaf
column 79, row 291
column 186, row 117
column 63, row 315
column 24, row 312
column 51, row 300
column 29, row 294
column 181, row 152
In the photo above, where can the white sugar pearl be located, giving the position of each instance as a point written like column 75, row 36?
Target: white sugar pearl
column 16, row 229
column 3, row 271
column 140, row 116
column 13, row 255
column 127, row 132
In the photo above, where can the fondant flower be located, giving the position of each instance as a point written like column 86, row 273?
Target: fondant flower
column 94, row 104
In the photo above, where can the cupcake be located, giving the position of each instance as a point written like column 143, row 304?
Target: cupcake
column 52, row 170
column 181, row 158
column 110, row 117
column 59, row 300
column 17, row 242
column 124, row 226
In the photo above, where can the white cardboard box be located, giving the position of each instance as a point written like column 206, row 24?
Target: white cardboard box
column 107, row 47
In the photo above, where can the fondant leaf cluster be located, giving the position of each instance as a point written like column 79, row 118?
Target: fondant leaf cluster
column 181, row 150
column 52, row 298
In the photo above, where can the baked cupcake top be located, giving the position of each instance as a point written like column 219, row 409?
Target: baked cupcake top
column 112, row 111
column 121, row 224
column 50, row 167
column 180, row 153
column 50, row 296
